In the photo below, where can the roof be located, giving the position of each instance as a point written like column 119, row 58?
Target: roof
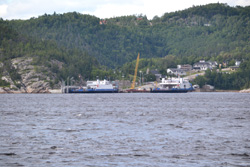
column 154, row 72
column 174, row 70
column 212, row 62
column 234, row 67
column 186, row 67
column 201, row 64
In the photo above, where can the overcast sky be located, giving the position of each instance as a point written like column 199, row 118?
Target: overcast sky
column 25, row 9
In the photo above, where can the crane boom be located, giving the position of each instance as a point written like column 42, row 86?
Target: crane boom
column 135, row 75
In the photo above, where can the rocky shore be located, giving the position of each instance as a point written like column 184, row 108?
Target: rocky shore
column 245, row 91
column 34, row 79
column 29, row 90
column 8, row 90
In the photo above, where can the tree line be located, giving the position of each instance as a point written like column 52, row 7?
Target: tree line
column 200, row 31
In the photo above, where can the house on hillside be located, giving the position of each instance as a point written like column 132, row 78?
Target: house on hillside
column 225, row 63
column 237, row 63
column 158, row 76
column 236, row 67
column 176, row 71
column 185, row 67
column 207, row 25
column 213, row 64
column 202, row 65
column 103, row 22
column 180, row 70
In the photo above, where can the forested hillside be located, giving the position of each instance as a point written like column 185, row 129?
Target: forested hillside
column 202, row 31
column 72, row 43
column 48, row 58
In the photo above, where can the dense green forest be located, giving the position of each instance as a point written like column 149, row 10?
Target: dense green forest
column 43, row 52
column 201, row 31
column 94, row 47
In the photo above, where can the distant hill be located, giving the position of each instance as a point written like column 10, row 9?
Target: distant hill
column 200, row 31
column 57, row 47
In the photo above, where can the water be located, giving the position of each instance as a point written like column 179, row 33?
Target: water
column 193, row 129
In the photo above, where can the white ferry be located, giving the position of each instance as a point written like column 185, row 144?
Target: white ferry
column 172, row 85
column 96, row 87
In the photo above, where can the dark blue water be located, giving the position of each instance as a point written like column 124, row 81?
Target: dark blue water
column 186, row 130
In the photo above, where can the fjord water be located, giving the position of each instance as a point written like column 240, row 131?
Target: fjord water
column 191, row 129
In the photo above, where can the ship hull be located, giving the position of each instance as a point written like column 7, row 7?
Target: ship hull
column 170, row 91
column 94, row 91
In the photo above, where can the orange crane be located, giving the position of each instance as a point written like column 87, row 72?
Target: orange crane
column 135, row 75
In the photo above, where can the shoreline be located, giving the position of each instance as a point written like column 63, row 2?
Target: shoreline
column 56, row 92
column 235, row 91
column 59, row 91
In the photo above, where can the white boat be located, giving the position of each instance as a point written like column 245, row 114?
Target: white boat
column 97, row 87
column 173, row 85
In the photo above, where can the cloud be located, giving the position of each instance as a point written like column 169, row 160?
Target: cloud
column 238, row 2
column 113, row 10
column 3, row 10
column 26, row 9
column 33, row 8
column 146, row 7
column 152, row 8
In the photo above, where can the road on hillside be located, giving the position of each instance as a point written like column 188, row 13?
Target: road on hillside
column 191, row 77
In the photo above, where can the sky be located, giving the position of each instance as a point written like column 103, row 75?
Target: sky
column 25, row 9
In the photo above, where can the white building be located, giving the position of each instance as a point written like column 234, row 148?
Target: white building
column 237, row 63
column 202, row 65
column 176, row 71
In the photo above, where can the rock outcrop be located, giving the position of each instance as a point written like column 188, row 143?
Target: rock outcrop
column 34, row 79
column 245, row 91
